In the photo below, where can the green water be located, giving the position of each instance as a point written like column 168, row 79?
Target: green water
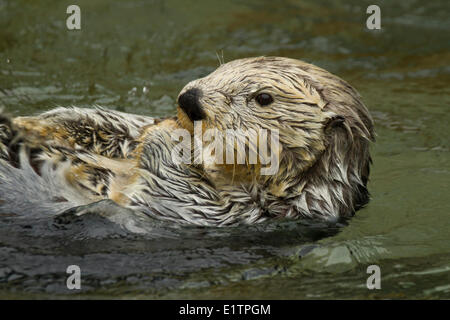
column 135, row 56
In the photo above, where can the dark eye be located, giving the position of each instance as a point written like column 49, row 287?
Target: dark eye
column 264, row 99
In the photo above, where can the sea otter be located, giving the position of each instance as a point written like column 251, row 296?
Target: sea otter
column 69, row 157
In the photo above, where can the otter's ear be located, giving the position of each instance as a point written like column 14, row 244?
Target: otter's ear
column 339, row 134
column 333, row 123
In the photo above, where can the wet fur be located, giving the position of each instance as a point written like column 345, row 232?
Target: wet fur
column 73, row 156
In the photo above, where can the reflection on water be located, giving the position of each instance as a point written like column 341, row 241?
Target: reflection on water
column 135, row 56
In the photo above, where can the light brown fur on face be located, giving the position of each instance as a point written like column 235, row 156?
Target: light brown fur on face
column 312, row 109
column 83, row 155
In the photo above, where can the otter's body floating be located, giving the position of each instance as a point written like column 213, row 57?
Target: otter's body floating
column 71, row 156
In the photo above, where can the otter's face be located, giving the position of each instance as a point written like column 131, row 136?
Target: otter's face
column 266, row 93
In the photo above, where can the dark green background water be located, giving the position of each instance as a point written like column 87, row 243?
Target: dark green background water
column 135, row 56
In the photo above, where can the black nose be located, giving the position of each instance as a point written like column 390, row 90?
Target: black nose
column 189, row 102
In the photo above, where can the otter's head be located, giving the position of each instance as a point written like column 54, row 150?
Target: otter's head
column 323, row 130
